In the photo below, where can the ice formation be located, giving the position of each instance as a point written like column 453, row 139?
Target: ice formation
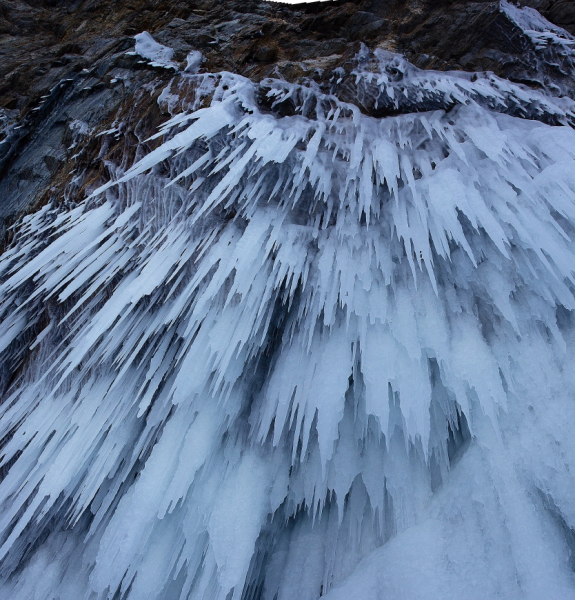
column 299, row 351
column 158, row 54
column 541, row 32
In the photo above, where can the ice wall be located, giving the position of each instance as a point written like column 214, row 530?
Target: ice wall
column 298, row 351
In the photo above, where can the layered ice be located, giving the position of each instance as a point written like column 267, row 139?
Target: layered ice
column 299, row 350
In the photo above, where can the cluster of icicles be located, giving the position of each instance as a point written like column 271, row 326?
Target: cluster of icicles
column 287, row 356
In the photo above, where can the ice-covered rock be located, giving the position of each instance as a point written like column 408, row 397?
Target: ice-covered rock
column 299, row 350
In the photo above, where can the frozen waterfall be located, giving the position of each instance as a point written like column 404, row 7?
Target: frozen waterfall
column 299, row 351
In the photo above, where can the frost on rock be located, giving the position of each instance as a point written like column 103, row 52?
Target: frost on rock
column 298, row 351
column 538, row 29
column 548, row 48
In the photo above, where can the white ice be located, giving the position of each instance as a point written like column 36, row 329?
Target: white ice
column 157, row 54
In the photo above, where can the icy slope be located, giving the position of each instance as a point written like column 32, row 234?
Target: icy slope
column 298, row 351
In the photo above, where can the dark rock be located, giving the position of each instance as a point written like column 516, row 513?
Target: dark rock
column 265, row 54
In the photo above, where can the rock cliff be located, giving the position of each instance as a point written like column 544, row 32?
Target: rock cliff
column 66, row 68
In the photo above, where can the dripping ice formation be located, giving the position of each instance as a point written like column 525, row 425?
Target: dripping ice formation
column 299, row 351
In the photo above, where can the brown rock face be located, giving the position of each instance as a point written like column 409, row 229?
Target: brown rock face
column 66, row 77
